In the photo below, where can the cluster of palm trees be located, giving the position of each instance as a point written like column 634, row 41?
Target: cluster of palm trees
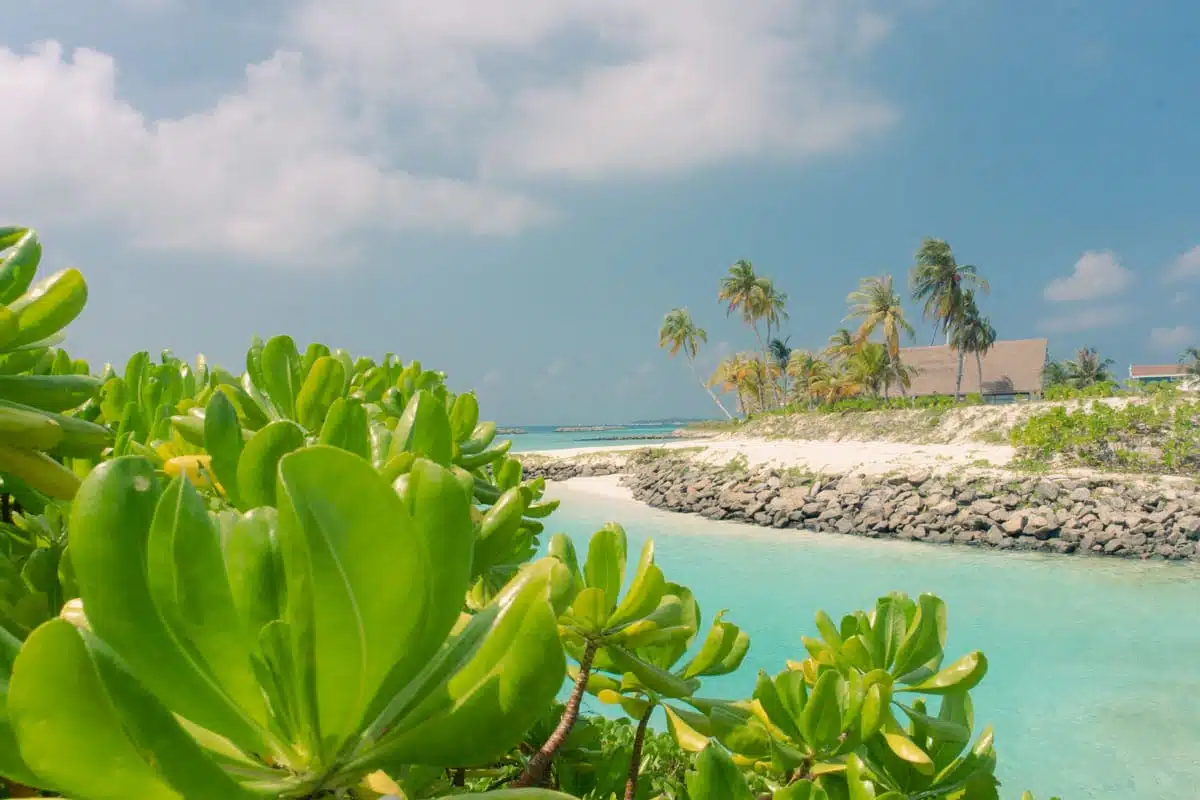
column 851, row 364
column 1086, row 369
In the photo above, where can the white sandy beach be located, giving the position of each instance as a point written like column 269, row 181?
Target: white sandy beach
column 870, row 458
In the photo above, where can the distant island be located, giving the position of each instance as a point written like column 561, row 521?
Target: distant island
column 661, row 423
column 511, row 431
column 588, row 428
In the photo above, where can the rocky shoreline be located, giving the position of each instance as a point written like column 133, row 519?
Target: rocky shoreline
column 1106, row 516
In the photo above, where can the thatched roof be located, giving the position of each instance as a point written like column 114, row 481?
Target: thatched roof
column 1011, row 367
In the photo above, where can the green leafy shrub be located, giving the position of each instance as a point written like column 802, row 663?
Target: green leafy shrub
column 1158, row 435
column 1096, row 390
column 40, row 384
column 864, row 404
column 282, row 653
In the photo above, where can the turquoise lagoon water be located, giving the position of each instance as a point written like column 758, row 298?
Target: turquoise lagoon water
column 1094, row 680
column 543, row 437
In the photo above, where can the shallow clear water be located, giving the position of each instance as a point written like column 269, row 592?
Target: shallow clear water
column 1094, row 680
column 543, row 437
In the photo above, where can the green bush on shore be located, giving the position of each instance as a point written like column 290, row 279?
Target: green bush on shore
column 1159, row 435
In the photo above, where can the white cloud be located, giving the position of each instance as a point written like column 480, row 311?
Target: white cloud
column 1097, row 273
column 1180, row 297
column 600, row 88
column 274, row 171
column 1172, row 338
column 1185, row 267
column 1086, row 319
column 323, row 139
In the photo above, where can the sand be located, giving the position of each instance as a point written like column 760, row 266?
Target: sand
column 871, row 458
column 606, row 486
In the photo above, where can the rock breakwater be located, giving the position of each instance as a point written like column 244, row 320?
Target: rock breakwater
column 1093, row 515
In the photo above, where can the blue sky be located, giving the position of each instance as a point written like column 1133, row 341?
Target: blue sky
column 516, row 192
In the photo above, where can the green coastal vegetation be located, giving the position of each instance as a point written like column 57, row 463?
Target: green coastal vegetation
column 861, row 369
column 324, row 577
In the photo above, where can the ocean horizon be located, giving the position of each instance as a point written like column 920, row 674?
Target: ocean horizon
column 553, row 437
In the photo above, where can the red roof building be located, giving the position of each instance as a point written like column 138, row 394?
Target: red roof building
column 1157, row 372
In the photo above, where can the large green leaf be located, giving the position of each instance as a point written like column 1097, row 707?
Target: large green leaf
column 121, row 741
column 925, row 638
column 375, row 580
column 497, row 676
column 821, row 720
column 424, row 429
column 325, row 382
column 962, row 675
column 254, row 566
column 605, row 565
column 346, row 426
column 723, row 650
column 716, row 777
column 464, row 416
column 645, row 590
column 260, row 460
column 188, row 583
column 20, row 264
column 11, row 765
column 223, row 441
column 110, row 526
column 281, row 378
column 48, row 307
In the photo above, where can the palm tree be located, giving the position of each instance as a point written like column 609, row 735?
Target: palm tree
column 1190, row 359
column 808, row 371
column 939, row 282
column 841, row 345
column 1087, row 368
column 972, row 333
column 1053, row 374
column 680, row 332
column 780, row 354
column 742, row 290
column 900, row 375
column 868, row 367
column 876, row 303
column 773, row 311
column 745, row 374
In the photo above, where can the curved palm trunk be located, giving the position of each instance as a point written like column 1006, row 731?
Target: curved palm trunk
column 707, row 388
column 979, row 367
column 635, row 758
column 535, row 770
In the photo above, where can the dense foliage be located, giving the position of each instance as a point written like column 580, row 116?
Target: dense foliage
column 852, row 369
column 320, row 578
column 1160, row 434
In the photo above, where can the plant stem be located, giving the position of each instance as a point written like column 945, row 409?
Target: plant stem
column 635, row 758
column 535, row 770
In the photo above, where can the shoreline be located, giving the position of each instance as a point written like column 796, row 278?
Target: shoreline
column 933, row 494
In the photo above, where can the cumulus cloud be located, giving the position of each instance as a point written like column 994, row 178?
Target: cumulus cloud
column 1087, row 319
column 1097, row 273
column 600, row 88
column 274, row 171
column 390, row 115
column 1172, row 338
column 1185, row 267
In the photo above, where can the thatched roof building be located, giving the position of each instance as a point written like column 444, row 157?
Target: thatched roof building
column 1009, row 368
